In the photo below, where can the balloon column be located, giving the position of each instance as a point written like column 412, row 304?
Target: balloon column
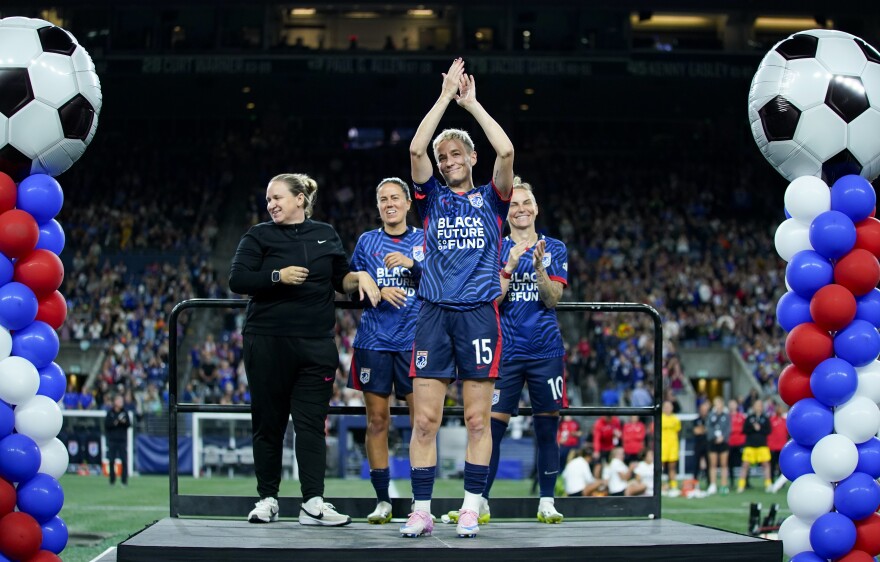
column 32, row 458
column 831, row 243
column 51, row 97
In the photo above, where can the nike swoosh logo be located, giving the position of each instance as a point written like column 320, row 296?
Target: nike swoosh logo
column 328, row 379
column 320, row 515
column 320, row 242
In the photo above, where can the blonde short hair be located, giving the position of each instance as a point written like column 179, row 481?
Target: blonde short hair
column 457, row 134
column 300, row 183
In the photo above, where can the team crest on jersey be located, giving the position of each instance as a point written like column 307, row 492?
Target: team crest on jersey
column 476, row 199
column 545, row 261
column 421, row 359
column 418, row 253
column 565, row 266
column 496, row 396
column 365, row 375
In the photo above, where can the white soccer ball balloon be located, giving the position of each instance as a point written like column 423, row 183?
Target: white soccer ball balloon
column 51, row 98
column 814, row 106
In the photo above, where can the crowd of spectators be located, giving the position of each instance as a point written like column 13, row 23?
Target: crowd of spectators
column 687, row 231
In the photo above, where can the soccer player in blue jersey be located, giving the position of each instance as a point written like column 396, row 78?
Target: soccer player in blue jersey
column 392, row 256
column 534, row 274
column 457, row 330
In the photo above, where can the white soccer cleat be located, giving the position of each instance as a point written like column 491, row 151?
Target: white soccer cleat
column 547, row 513
column 380, row 515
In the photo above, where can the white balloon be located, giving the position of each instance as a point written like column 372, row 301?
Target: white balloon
column 19, row 380
column 806, row 198
column 869, row 381
column 54, row 458
column 5, row 343
column 834, row 457
column 39, row 418
column 858, row 419
column 810, row 496
column 795, row 535
column 792, row 236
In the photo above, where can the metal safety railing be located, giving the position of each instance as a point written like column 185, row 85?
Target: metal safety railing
column 502, row 507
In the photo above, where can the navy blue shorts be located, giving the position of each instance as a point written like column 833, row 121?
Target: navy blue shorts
column 463, row 344
column 545, row 381
column 379, row 371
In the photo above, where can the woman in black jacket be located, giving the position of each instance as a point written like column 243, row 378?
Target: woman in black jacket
column 291, row 267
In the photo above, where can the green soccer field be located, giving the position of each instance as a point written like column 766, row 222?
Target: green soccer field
column 99, row 516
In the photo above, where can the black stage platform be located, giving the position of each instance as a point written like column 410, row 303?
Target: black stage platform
column 175, row 539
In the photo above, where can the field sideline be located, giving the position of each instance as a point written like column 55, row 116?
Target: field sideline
column 92, row 506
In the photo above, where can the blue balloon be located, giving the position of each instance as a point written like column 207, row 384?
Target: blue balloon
column 41, row 196
column 807, row 272
column 41, row 497
column 18, row 306
column 792, row 310
column 833, row 381
column 809, row 421
column 19, row 458
column 858, row 343
column 7, row 419
column 37, row 342
column 832, row 535
column 55, row 535
column 53, row 381
column 51, row 237
column 853, row 196
column 7, row 270
column 869, row 457
column 868, row 307
column 832, row 234
column 807, row 556
column 794, row 460
column 857, row 496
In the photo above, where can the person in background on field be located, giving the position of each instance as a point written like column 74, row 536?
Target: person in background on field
column 737, row 439
column 633, row 440
column 756, row 429
column 776, row 441
column 670, row 426
column 577, row 476
column 718, row 435
column 116, row 425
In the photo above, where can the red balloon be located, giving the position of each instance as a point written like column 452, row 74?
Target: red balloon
column 807, row 345
column 18, row 233
column 52, row 310
column 794, row 385
column 7, row 497
column 20, row 535
column 858, row 271
column 42, row 272
column 856, row 556
column 44, row 556
column 8, row 193
column 833, row 307
column 868, row 535
column 868, row 236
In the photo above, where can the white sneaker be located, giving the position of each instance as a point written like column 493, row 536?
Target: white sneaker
column 380, row 515
column 547, row 513
column 316, row 512
column 264, row 511
column 712, row 489
column 483, row 518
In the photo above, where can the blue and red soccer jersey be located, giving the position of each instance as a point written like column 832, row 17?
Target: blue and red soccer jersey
column 386, row 328
column 462, row 244
column 529, row 329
